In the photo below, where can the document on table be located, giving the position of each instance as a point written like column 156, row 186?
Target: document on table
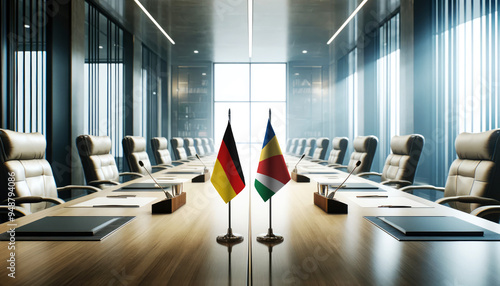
column 115, row 202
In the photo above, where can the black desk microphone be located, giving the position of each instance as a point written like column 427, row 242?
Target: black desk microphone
column 197, row 156
column 331, row 195
column 301, row 157
column 167, row 194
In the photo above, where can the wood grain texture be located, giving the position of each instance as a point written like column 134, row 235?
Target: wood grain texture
column 319, row 248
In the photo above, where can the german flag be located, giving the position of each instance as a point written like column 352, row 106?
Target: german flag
column 227, row 176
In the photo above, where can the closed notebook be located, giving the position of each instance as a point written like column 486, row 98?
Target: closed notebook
column 432, row 226
column 66, row 226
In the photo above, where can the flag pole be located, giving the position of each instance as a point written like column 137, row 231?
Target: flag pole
column 270, row 238
column 230, row 238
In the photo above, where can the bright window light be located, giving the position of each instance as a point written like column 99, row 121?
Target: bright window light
column 347, row 21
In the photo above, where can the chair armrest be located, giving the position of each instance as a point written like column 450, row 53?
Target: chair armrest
column 410, row 189
column 485, row 211
column 401, row 183
column 131, row 174
column 469, row 199
column 91, row 189
column 338, row 166
column 33, row 199
column 365, row 174
column 98, row 183
column 17, row 210
column 163, row 167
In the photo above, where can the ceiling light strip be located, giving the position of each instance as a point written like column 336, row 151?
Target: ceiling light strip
column 154, row 21
column 347, row 21
column 250, row 27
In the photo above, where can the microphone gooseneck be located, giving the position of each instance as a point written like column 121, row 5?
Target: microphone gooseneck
column 167, row 194
column 332, row 194
column 197, row 156
column 301, row 157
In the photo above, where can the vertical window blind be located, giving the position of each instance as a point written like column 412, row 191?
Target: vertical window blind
column 466, row 43
column 27, row 65
column 388, row 89
column 104, row 85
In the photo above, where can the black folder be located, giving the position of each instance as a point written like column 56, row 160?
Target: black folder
column 65, row 226
column 432, row 226
column 86, row 228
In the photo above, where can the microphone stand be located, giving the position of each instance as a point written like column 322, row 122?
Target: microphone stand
column 331, row 195
column 297, row 177
column 167, row 194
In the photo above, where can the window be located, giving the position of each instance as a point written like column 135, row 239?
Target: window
column 103, row 77
column 388, row 84
column 250, row 90
column 27, row 66
column 466, row 44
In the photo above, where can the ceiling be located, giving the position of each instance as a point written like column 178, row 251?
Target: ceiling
column 218, row 29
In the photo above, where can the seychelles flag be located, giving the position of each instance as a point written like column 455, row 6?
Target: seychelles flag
column 227, row 176
column 272, row 173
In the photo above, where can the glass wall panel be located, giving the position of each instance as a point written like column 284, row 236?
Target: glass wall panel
column 26, row 61
column 103, row 79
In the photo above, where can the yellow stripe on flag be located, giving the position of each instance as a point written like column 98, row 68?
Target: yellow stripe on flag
column 271, row 149
column 221, row 183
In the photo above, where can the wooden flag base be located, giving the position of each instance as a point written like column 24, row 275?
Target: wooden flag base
column 168, row 206
column 299, row 178
column 202, row 178
column 331, row 206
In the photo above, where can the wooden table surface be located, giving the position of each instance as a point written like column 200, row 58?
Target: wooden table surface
column 318, row 248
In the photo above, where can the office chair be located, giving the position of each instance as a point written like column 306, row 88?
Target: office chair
column 161, row 153
column 401, row 165
column 337, row 154
column 198, row 145
column 320, row 150
column 134, row 149
column 310, row 146
column 293, row 148
column 474, row 177
column 189, row 146
column 364, row 151
column 24, row 166
column 288, row 145
column 301, row 145
column 206, row 145
column 211, row 144
column 99, row 165
column 178, row 149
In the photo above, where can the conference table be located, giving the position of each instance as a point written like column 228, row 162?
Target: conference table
column 318, row 248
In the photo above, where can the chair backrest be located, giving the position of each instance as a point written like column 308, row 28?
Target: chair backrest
column 189, row 146
column 198, row 144
column 321, row 148
column 402, row 163
column 206, row 145
column 22, row 158
column 178, row 148
column 364, row 151
column 134, row 150
column 295, row 144
column 160, row 150
column 339, row 148
column 476, row 171
column 301, row 145
column 211, row 144
column 288, row 145
column 97, row 161
column 310, row 145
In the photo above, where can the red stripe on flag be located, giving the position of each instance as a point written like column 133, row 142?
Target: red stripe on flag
column 227, row 164
column 274, row 167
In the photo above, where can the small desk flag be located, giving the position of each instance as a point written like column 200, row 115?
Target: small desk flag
column 227, row 176
column 272, row 173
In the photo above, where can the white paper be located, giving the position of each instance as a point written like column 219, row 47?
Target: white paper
column 115, row 202
column 375, row 202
